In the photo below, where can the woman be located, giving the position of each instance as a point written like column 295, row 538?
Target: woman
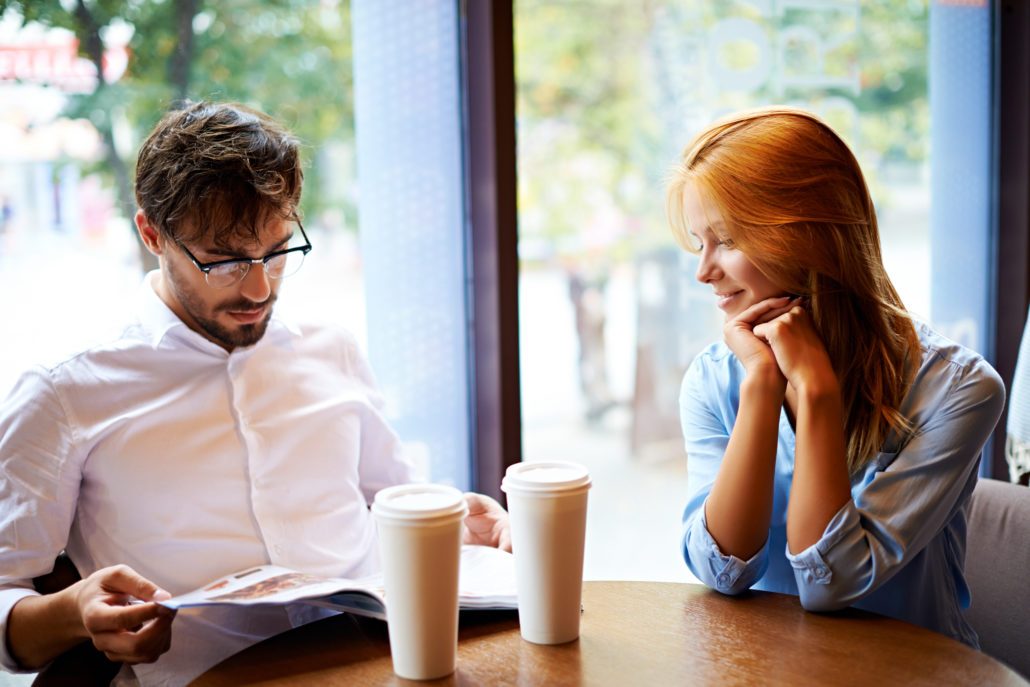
column 832, row 442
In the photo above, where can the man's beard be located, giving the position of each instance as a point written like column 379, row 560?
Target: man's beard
column 240, row 336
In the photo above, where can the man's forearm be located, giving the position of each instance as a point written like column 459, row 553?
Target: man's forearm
column 41, row 628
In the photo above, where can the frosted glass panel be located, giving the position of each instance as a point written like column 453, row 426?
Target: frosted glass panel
column 408, row 123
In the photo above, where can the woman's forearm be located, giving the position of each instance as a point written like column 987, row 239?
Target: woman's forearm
column 821, row 485
column 739, row 507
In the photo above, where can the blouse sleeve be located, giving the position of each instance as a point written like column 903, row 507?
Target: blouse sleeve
column 907, row 498
column 706, row 435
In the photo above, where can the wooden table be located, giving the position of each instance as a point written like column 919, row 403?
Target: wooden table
column 638, row 633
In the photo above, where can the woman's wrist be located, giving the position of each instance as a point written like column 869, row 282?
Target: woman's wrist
column 764, row 379
column 818, row 390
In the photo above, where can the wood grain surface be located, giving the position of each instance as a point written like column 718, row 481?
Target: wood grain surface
column 638, row 633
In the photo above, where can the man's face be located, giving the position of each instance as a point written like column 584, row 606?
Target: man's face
column 230, row 316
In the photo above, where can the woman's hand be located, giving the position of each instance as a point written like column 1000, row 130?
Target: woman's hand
column 798, row 350
column 754, row 352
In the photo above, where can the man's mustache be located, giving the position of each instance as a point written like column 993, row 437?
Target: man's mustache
column 245, row 305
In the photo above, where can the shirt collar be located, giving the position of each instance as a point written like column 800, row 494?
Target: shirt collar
column 158, row 320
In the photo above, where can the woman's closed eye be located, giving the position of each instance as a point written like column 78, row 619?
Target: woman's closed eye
column 725, row 243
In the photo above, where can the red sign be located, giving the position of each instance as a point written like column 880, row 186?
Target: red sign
column 59, row 65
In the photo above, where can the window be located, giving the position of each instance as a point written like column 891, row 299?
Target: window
column 373, row 90
column 608, row 94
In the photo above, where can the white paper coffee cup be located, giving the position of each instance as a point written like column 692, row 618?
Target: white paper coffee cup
column 547, row 506
column 420, row 546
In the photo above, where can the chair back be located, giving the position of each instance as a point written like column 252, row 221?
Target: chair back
column 998, row 571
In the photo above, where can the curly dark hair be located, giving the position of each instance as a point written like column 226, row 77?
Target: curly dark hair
column 220, row 170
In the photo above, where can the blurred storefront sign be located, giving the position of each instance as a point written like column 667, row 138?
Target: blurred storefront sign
column 59, row 64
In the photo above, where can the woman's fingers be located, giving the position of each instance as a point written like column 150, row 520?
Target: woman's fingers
column 762, row 330
column 754, row 314
column 771, row 315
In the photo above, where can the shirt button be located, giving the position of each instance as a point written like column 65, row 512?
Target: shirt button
column 723, row 579
column 278, row 550
column 821, row 571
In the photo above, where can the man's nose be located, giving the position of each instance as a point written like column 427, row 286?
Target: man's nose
column 256, row 285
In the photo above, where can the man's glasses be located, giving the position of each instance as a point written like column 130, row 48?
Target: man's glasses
column 278, row 264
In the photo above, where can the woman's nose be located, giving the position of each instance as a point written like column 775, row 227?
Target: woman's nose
column 706, row 268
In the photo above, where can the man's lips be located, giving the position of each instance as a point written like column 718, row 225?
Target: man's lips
column 247, row 316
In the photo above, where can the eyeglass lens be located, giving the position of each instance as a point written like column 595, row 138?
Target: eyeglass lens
column 276, row 268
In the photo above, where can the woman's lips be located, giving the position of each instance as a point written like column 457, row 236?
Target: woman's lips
column 724, row 299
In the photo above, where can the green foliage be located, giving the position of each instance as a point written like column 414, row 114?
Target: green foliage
column 290, row 58
column 608, row 92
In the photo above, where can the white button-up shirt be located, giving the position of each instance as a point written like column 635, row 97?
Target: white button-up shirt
column 163, row 451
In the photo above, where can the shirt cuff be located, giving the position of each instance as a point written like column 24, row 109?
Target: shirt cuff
column 810, row 566
column 9, row 597
column 725, row 573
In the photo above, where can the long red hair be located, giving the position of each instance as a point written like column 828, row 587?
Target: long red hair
column 795, row 202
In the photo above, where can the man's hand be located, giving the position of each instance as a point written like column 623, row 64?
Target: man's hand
column 124, row 629
column 486, row 523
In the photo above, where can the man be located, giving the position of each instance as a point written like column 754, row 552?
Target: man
column 212, row 436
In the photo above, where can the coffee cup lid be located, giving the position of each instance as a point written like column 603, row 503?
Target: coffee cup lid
column 546, row 476
column 419, row 502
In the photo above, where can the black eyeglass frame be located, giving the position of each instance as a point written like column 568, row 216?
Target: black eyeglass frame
column 206, row 267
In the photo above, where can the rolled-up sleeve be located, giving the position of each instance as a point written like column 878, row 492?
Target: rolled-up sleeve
column 905, row 499
column 384, row 461
column 706, row 436
column 38, row 491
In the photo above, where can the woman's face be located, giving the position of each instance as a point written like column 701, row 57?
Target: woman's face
column 736, row 282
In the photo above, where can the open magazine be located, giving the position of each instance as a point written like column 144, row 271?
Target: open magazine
column 486, row 582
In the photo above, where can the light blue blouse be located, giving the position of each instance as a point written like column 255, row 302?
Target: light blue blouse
column 897, row 548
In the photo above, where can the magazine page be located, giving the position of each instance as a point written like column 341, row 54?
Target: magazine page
column 487, row 581
column 268, row 584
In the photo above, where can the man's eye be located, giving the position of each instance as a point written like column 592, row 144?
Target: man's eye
column 230, row 268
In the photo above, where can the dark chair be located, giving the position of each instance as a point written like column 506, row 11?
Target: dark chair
column 83, row 664
column 1017, row 441
column 998, row 571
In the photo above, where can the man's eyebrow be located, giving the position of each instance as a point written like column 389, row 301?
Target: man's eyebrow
column 225, row 253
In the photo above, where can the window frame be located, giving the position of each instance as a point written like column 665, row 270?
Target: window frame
column 1010, row 292
column 488, row 71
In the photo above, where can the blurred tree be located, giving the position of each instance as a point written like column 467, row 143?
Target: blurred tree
column 290, row 58
column 583, row 119
column 608, row 91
